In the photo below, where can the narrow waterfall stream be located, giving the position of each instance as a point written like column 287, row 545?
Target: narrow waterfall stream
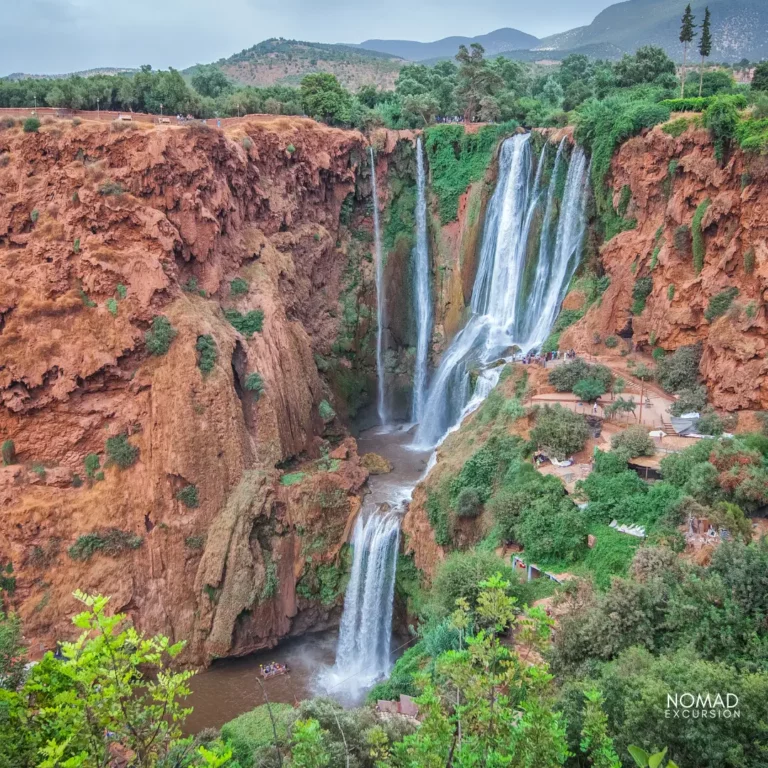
column 422, row 297
column 381, row 308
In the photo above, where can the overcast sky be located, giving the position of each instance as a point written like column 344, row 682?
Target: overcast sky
column 59, row 36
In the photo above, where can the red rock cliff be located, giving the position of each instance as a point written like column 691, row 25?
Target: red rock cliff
column 101, row 230
column 668, row 178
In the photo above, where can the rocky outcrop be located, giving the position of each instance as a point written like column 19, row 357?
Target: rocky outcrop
column 102, row 230
column 666, row 180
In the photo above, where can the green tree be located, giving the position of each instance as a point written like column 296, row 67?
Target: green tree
column 589, row 390
column 687, row 28
column 211, row 81
column 12, row 651
column 650, row 64
column 307, row 749
column 760, row 78
column 559, row 432
column 118, row 689
column 325, row 99
column 476, row 79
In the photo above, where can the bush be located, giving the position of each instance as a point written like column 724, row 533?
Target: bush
column 564, row 377
column 111, row 305
column 611, row 342
column 680, row 370
column 710, row 424
column 326, row 411
column 121, row 452
column 207, row 353
column 254, row 383
column 468, row 503
column 8, row 452
column 248, row 324
column 721, row 118
column 31, row 125
column 111, row 188
column 251, row 731
column 238, row 287
column 588, row 390
column 194, row 542
column 634, row 441
column 92, row 465
column 108, row 541
column 159, row 337
column 676, row 128
column 689, row 401
column 189, row 496
column 640, row 292
column 719, row 304
column 559, row 432
column 697, row 236
column 553, row 533
column 670, row 291
column 460, row 576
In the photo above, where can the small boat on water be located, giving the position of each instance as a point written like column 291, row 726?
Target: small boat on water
column 273, row 670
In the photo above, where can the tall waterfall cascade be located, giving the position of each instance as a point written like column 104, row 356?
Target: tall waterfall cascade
column 422, row 297
column 508, row 309
column 363, row 653
column 381, row 308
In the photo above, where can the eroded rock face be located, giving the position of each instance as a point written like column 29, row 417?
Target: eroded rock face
column 668, row 179
column 101, row 231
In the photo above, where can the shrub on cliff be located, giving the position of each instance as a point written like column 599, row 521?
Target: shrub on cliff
column 640, row 292
column 559, row 432
column 31, row 125
column 722, row 118
column 680, row 370
column 8, row 452
column 108, row 541
column 121, row 452
column 159, row 337
column 697, row 235
column 189, row 496
column 206, row 353
column 634, row 441
column 719, row 304
column 248, row 324
column 468, row 503
column 326, row 411
column 254, row 383
column 238, row 287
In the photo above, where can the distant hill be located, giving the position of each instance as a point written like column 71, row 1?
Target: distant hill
column 739, row 28
column 595, row 51
column 83, row 73
column 494, row 42
column 285, row 62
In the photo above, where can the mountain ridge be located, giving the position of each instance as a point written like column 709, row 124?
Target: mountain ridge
column 497, row 41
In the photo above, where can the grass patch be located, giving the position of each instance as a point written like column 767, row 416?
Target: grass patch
column 697, row 235
column 109, row 541
column 292, row 478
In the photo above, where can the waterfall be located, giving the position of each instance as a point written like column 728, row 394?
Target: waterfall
column 501, row 315
column 363, row 652
column 422, row 299
column 381, row 308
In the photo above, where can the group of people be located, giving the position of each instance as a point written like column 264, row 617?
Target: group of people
column 272, row 669
column 545, row 357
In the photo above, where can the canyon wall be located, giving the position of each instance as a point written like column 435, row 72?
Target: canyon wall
column 660, row 181
column 218, row 515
